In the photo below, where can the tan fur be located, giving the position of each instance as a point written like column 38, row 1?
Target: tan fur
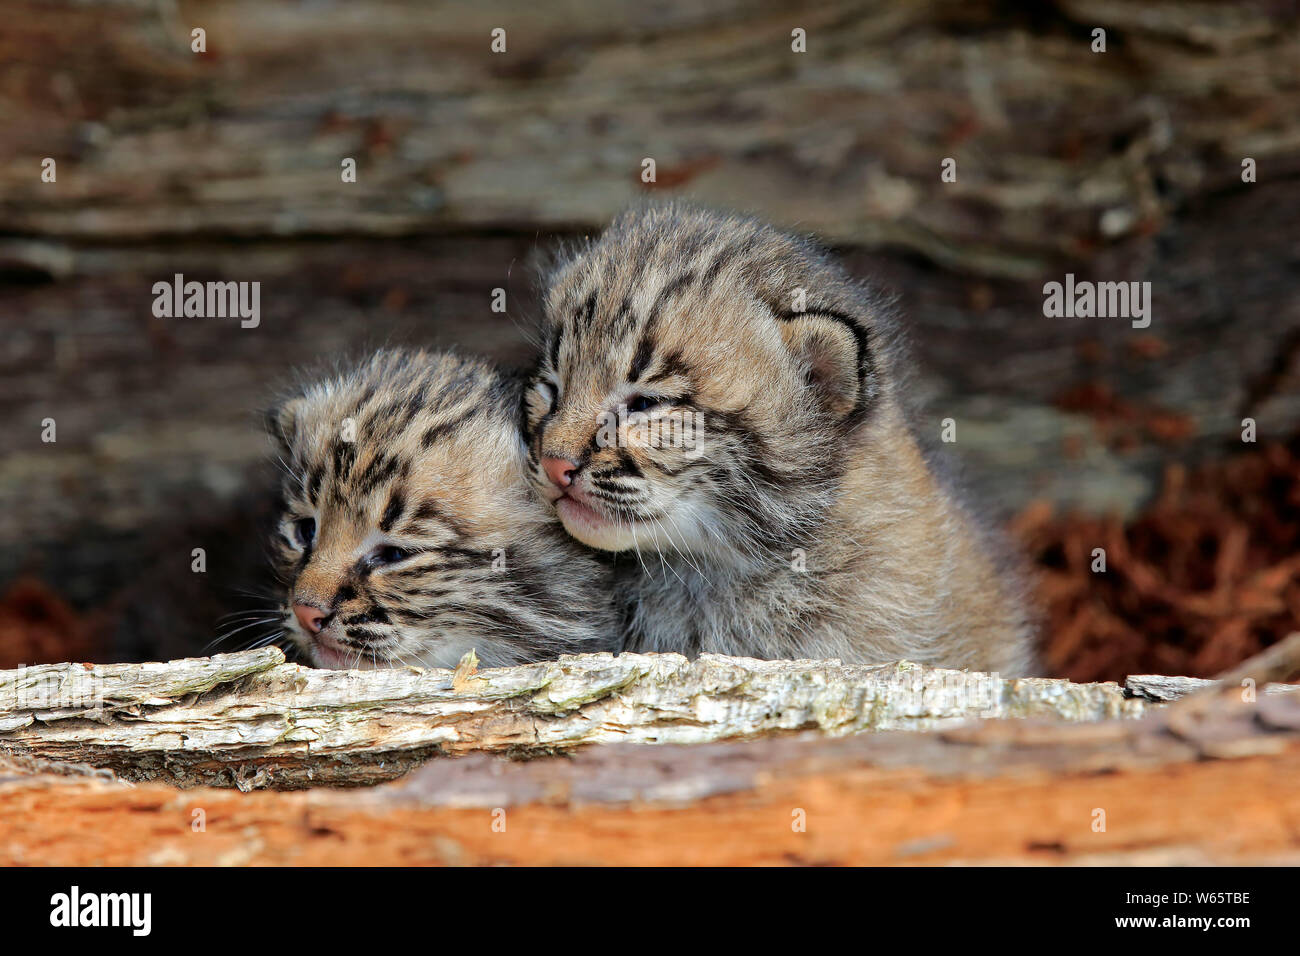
column 435, row 470
column 805, row 521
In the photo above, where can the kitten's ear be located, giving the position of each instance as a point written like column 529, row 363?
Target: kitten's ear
column 828, row 351
column 282, row 423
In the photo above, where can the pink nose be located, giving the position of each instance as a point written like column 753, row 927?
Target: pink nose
column 311, row 618
column 560, row 471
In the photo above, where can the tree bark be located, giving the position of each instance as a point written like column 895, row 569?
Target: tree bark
column 252, row 721
column 1038, row 791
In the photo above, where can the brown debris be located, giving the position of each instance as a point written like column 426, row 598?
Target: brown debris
column 1207, row 576
column 1121, row 424
column 38, row 627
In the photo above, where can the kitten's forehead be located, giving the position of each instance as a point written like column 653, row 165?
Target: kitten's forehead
column 711, row 311
column 648, row 259
column 405, row 434
column 646, row 323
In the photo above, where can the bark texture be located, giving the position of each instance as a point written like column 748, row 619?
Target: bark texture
column 1220, row 790
column 251, row 720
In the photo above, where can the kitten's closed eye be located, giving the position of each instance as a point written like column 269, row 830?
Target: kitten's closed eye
column 540, row 400
column 547, row 393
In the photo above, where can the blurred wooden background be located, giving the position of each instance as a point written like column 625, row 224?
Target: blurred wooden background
column 1122, row 165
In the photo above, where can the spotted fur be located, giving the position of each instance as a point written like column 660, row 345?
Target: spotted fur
column 420, row 539
column 804, row 520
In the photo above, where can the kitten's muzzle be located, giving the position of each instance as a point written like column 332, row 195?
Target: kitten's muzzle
column 560, row 471
column 312, row 618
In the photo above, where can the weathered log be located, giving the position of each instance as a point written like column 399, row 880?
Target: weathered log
column 1116, row 792
column 1157, row 687
column 251, row 720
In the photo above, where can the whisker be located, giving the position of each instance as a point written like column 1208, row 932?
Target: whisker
column 222, row 638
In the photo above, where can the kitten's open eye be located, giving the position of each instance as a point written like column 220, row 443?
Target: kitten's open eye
column 387, row 554
column 642, row 403
column 304, row 529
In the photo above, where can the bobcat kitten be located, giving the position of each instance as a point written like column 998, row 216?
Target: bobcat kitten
column 790, row 512
column 410, row 534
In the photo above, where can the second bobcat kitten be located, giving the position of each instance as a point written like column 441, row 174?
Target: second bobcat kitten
column 798, row 517
column 409, row 534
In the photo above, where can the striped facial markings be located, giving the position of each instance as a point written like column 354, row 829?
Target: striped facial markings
column 393, row 511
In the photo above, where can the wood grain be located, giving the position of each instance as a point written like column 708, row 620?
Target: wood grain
column 249, row 720
column 1123, row 792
